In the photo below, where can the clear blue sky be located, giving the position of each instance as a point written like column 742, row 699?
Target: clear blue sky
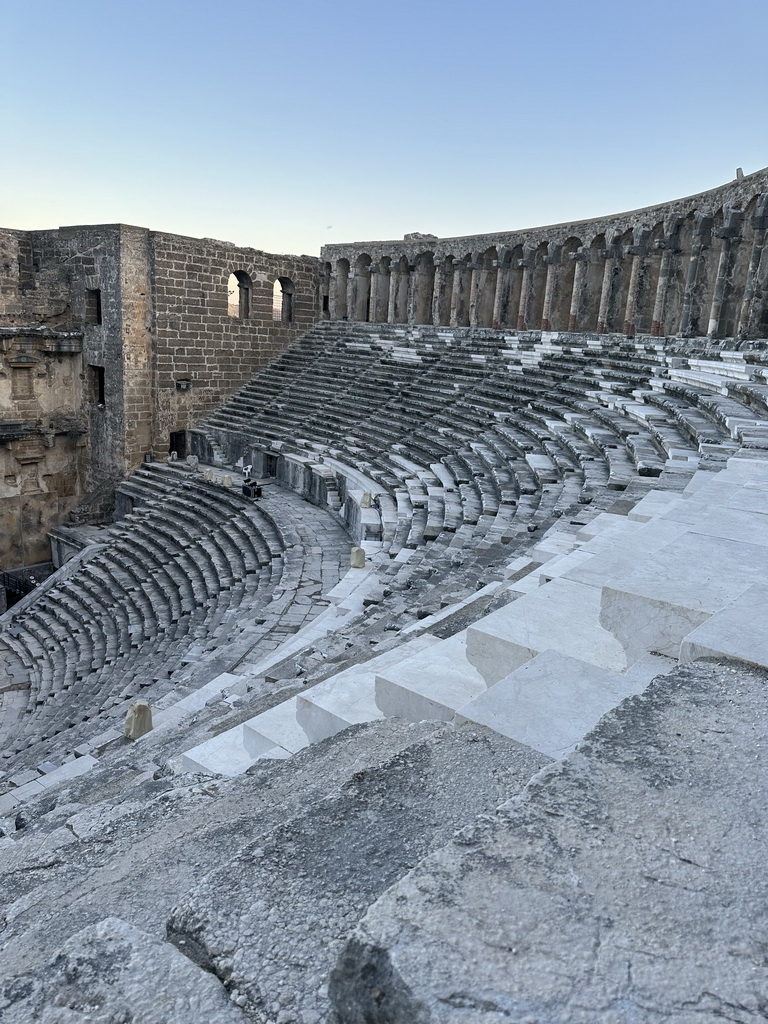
column 287, row 125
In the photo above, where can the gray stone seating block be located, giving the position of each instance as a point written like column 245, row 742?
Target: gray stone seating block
column 752, row 395
column 645, row 455
column 492, row 926
column 352, row 841
column 417, row 527
column 695, row 424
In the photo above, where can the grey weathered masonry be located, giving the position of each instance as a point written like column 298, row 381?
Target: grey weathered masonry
column 692, row 267
column 114, row 338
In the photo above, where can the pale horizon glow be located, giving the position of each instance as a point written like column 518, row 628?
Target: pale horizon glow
column 284, row 128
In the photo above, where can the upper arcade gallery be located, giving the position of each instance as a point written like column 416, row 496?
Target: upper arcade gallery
column 692, row 267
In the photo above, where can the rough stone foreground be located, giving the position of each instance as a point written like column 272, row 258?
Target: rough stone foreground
column 111, row 973
column 625, row 885
column 335, row 826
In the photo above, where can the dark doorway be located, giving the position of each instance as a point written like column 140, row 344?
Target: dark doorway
column 178, row 443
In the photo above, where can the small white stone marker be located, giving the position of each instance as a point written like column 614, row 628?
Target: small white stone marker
column 357, row 558
column 138, row 720
column 365, row 500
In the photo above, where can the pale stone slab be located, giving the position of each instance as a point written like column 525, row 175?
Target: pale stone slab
column 617, row 560
column 666, row 596
column 431, row 685
column 550, row 703
column 607, row 524
column 738, row 631
column 349, row 697
column 226, row 754
column 652, row 504
column 276, row 727
column 562, row 616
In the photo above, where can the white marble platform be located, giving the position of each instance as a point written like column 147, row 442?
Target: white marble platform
column 562, row 616
column 550, row 702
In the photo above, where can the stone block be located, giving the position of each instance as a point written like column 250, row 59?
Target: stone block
column 433, row 684
column 138, row 720
column 357, row 558
column 738, row 631
column 549, row 703
column 562, row 616
column 664, row 597
column 276, row 727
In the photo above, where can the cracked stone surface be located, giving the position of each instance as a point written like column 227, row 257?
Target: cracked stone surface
column 271, row 920
column 624, row 884
column 112, row 973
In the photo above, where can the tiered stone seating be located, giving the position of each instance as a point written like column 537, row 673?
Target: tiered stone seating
column 166, row 579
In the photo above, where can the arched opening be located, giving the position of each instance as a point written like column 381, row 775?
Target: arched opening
column 512, row 316
column 325, row 291
column 622, row 271
column 538, row 287
column 589, row 306
column 380, row 297
column 486, row 289
column 649, row 283
column 282, row 300
column 239, row 289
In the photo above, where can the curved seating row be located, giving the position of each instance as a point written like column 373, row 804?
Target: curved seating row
column 501, row 419
column 191, row 565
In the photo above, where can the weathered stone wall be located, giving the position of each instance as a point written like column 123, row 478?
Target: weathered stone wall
column 42, row 439
column 156, row 348
column 203, row 353
column 696, row 266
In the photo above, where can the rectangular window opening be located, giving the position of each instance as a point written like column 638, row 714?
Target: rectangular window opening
column 93, row 307
column 97, row 385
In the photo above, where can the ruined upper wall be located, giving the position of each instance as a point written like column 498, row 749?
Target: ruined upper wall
column 691, row 266
column 204, row 354
column 156, row 350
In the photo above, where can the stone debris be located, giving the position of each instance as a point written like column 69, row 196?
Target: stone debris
column 138, row 720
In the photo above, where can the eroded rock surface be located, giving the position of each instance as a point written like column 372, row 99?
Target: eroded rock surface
column 625, row 884
column 271, row 920
column 112, row 973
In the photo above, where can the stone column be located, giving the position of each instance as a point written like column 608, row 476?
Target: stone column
column 581, row 258
column 332, row 296
column 553, row 260
column 373, row 295
column 729, row 233
column 411, row 301
column 437, row 289
column 351, row 295
column 526, row 289
column 610, row 257
column 501, row 295
column 699, row 242
column 458, row 273
column 474, row 268
column 638, row 251
column 394, row 283
column 759, row 224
